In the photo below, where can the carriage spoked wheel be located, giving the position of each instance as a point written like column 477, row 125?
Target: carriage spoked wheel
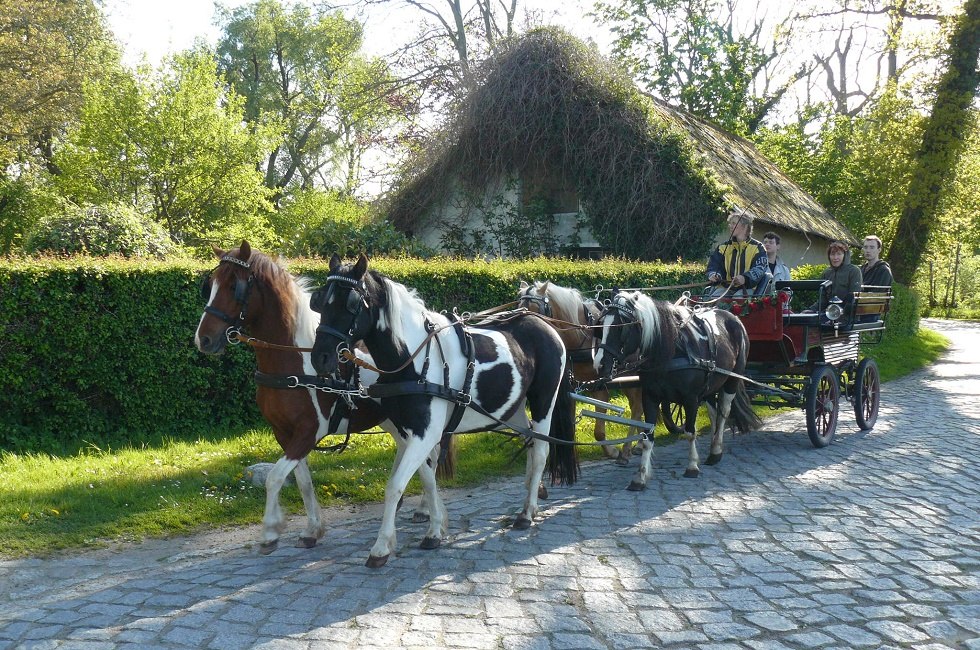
column 820, row 402
column 673, row 415
column 867, row 394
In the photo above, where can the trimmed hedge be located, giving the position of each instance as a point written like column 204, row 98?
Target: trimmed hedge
column 100, row 351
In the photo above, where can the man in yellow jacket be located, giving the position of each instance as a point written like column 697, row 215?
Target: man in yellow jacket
column 740, row 262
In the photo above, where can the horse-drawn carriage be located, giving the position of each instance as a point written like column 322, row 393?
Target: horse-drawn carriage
column 508, row 371
column 811, row 360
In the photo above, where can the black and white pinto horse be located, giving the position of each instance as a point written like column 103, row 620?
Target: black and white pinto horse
column 439, row 377
column 681, row 356
column 249, row 291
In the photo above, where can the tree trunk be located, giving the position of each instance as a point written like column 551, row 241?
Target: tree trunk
column 942, row 142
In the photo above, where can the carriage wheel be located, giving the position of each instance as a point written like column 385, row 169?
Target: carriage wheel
column 673, row 415
column 867, row 394
column 820, row 402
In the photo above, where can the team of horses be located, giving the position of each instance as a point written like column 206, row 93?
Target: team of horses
column 363, row 351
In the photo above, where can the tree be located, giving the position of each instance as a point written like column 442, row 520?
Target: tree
column 942, row 141
column 691, row 53
column 173, row 145
column 48, row 48
column 301, row 70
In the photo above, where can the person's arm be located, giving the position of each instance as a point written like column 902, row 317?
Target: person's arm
column 757, row 269
column 716, row 266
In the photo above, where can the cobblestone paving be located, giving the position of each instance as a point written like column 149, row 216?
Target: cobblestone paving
column 873, row 542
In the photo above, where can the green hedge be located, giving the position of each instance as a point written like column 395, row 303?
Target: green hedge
column 100, row 351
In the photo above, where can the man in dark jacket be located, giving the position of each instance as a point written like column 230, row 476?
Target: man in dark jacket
column 875, row 271
column 740, row 262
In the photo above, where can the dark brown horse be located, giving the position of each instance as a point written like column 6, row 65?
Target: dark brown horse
column 681, row 357
column 250, row 292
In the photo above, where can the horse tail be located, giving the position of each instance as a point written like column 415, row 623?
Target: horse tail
column 446, row 467
column 563, row 458
column 742, row 415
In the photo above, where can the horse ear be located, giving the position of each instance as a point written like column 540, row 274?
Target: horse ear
column 361, row 267
column 244, row 251
column 334, row 262
column 544, row 287
column 524, row 285
column 217, row 251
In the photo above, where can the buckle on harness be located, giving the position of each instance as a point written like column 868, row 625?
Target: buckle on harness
column 292, row 381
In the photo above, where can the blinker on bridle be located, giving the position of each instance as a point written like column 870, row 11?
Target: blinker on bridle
column 629, row 317
column 243, row 290
column 355, row 304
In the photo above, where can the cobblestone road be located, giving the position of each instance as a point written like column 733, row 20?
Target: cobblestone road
column 872, row 542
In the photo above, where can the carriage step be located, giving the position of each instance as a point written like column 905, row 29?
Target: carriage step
column 599, row 403
column 643, row 426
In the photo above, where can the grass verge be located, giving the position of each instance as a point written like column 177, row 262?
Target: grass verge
column 50, row 504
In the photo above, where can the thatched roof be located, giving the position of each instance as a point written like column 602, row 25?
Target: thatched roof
column 655, row 182
column 752, row 181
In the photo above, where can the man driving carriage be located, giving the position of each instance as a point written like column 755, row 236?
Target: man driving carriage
column 740, row 263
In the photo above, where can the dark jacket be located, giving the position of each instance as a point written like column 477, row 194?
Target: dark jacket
column 845, row 280
column 878, row 274
column 733, row 258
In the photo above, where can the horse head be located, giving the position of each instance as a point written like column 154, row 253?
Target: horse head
column 344, row 304
column 227, row 292
column 620, row 334
column 534, row 297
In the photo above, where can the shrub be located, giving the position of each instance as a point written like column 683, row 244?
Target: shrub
column 100, row 230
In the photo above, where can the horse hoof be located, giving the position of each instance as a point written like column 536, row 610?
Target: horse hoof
column 522, row 523
column 267, row 547
column 713, row 459
column 419, row 518
column 429, row 543
column 636, row 486
column 306, row 542
column 376, row 562
column 691, row 473
column 542, row 491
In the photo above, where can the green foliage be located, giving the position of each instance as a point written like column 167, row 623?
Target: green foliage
column 100, row 230
column 24, row 201
column 101, row 350
column 173, row 145
column 301, row 70
column 48, row 48
column 314, row 223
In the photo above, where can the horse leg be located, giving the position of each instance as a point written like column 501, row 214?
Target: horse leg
column 537, row 457
column 314, row 525
column 634, row 397
column 642, row 475
column 273, row 521
column 691, row 429
column 600, row 425
column 718, row 432
column 431, row 503
column 415, row 452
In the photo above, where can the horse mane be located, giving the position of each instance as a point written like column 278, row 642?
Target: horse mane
column 274, row 281
column 659, row 326
column 396, row 296
column 566, row 302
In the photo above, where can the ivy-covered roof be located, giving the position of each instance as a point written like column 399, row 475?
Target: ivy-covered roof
column 655, row 182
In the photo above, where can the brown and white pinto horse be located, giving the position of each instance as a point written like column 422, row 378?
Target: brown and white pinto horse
column 580, row 338
column 681, row 357
column 249, row 291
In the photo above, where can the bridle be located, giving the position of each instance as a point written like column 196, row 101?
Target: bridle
column 543, row 302
column 627, row 316
column 243, row 290
column 355, row 305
